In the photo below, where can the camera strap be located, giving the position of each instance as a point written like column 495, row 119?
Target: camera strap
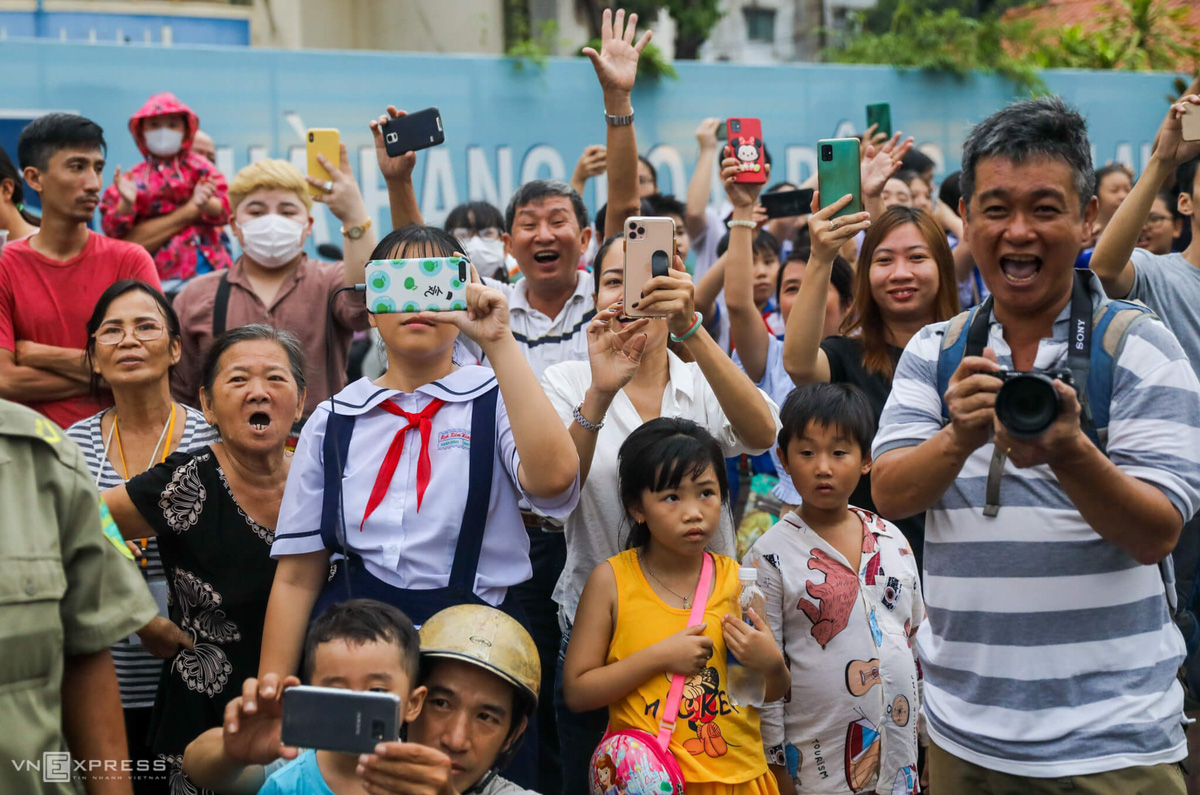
column 1079, row 343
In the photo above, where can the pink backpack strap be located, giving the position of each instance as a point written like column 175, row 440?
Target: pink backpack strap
column 666, row 726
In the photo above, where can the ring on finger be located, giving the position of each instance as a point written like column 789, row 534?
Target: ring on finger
column 328, row 186
column 834, row 224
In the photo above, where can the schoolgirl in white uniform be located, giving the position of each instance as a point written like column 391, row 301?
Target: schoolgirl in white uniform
column 413, row 480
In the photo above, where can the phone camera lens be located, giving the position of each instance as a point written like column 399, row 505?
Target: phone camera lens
column 311, row 138
column 641, row 230
column 633, row 224
column 827, row 153
column 735, row 125
column 377, row 730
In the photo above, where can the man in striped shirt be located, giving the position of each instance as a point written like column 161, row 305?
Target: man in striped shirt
column 1049, row 652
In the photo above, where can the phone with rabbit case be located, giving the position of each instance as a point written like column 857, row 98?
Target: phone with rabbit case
column 649, row 252
column 422, row 284
column 746, row 141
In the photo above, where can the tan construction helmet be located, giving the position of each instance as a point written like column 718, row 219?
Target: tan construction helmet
column 486, row 637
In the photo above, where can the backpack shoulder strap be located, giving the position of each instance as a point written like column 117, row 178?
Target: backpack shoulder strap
column 479, row 491
column 335, row 450
column 954, row 348
column 1110, row 327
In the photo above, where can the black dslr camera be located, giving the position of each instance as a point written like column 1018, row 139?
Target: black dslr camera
column 1027, row 403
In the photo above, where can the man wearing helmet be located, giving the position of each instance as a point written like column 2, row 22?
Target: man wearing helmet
column 481, row 672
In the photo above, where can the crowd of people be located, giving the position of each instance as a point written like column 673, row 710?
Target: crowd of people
column 975, row 408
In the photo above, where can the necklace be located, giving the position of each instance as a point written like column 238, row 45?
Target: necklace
column 169, row 427
column 687, row 600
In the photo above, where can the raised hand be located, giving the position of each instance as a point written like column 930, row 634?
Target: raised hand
column 615, row 353
column 392, row 168
column 616, row 63
column 1169, row 145
column 343, row 197
column 486, row 318
column 741, row 194
column 672, row 295
column 880, row 164
column 706, row 133
column 254, row 722
column 126, row 189
column 827, row 235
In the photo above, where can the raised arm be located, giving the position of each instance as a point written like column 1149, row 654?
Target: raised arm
column 695, row 218
column 879, row 164
column 803, row 358
column 744, row 405
column 710, row 286
column 1110, row 259
column 397, row 174
column 616, row 68
column 297, row 584
column 345, row 201
column 746, row 329
column 592, row 163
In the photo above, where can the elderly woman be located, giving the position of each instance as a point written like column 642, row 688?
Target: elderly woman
column 133, row 342
column 214, row 511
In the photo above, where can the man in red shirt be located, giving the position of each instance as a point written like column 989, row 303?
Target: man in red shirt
column 49, row 283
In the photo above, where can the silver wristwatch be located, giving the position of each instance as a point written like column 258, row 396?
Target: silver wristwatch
column 619, row 121
column 583, row 421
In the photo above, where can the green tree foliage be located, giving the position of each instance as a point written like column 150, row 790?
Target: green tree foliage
column 945, row 40
column 1131, row 34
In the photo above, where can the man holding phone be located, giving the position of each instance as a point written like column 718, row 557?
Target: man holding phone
column 479, row 678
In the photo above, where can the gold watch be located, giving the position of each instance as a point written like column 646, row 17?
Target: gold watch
column 355, row 232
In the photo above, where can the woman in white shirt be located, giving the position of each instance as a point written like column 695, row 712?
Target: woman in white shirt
column 632, row 377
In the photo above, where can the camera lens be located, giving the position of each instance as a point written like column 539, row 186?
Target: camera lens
column 311, row 138
column 633, row 224
column 377, row 730
column 1027, row 404
column 641, row 230
column 826, row 152
column 736, row 125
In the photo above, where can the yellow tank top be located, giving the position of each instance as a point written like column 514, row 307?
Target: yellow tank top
column 714, row 740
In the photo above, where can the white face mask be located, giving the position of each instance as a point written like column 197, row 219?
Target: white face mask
column 272, row 240
column 487, row 255
column 163, row 141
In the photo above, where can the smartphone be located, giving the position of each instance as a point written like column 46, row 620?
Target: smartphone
column 1191, row 122
column 838, row 173
column 787, row 203
column 423, row 284
column 335, row 719
column 321, row 142
column 745, row 137
column 649, row 252
column 723, row 131
column 880, row 113
column 419, row 130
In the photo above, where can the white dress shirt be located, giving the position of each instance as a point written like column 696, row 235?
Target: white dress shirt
column 597, row 529
column 400, row 545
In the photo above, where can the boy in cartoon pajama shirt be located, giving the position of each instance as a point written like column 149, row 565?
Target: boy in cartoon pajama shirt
column 843, row 599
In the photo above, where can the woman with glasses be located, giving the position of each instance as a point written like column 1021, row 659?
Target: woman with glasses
column 133, row 342
column 1161, row 227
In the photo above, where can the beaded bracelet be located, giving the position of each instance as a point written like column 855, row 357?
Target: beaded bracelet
column 695, row 327
column 731, row 223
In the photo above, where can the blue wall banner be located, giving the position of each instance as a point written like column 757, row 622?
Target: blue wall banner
column 505, row 126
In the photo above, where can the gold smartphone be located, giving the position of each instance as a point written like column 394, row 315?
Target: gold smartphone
column 649, row 252
column 1191, row 122
column 322, row 142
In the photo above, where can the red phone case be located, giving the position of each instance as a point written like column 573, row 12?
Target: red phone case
column 745, row 139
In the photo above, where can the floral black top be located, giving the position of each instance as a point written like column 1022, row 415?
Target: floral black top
column 219, row 570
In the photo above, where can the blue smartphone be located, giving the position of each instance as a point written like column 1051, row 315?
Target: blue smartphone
column 421, row 284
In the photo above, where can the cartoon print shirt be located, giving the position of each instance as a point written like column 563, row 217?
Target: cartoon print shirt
column 164, row 185
column 849, row 723
column 714, row 740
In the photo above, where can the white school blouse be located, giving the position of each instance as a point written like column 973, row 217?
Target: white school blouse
column 400, row 545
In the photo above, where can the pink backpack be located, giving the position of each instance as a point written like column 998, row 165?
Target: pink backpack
column 634, row 762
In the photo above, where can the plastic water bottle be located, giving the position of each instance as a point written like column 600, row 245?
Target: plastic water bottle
column 746, row 686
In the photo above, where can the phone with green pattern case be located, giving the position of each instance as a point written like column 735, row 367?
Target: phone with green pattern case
column 422, row 284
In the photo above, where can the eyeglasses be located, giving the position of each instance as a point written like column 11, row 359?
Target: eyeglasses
column 1157, row 220
column 464, row 234
column 115, row 335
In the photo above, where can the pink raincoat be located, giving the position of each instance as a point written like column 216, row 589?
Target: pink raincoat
column 165, row 184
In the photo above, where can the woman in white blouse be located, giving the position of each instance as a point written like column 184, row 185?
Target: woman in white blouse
column 632, row 377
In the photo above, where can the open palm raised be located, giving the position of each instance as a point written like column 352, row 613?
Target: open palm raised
column 616, row 63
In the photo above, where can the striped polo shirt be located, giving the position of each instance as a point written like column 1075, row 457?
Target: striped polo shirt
column 548, row 340
column 1048, row 651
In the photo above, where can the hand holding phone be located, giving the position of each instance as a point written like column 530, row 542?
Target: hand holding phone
column 649, row 251
column 787, row 203
column 321, row 142
column 838, row 173
column 419, row 130
column 745, row 138
column 335, row 719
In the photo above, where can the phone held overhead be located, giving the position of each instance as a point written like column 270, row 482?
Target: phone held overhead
column 746, row 144
column 838, row 173
column 322, row 142
column 649, row 252
column 419, row 284
column 419, row 130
